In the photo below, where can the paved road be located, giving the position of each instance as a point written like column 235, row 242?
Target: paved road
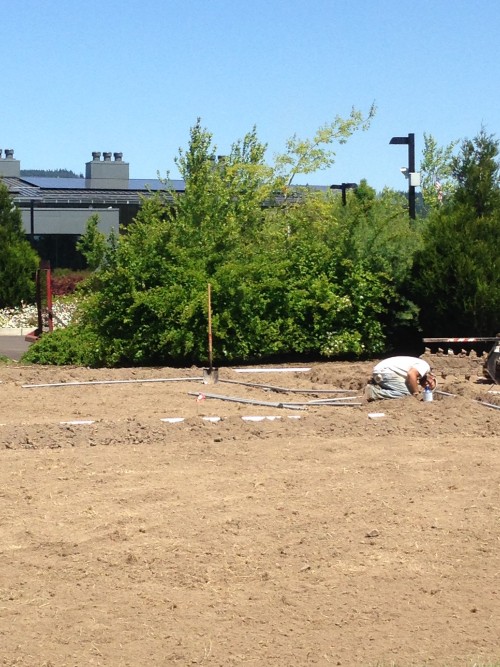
column 13, row 347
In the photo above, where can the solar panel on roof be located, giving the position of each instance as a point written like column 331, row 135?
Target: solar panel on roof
column 53, row 182
column 155, row 184
column 145, row 184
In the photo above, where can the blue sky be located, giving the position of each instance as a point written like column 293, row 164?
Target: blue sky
column 133, row 77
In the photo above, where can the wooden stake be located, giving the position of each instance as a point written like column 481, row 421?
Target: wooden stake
column 210, row 328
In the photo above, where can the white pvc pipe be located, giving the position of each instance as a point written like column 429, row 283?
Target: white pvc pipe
column 287, row 390
column 77, row 384
column 271, row 370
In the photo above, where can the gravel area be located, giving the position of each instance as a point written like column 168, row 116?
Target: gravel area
column 25, row 316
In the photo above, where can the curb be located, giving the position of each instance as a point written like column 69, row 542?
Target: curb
column 11, row 331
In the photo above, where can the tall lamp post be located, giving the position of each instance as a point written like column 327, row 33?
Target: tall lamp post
column 411, row 175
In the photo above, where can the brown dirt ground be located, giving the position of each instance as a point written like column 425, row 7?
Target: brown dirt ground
column 333, row 538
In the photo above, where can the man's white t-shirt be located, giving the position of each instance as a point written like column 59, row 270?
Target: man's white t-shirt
column 401, row 365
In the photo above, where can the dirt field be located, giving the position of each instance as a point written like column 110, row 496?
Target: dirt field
column 325, row 535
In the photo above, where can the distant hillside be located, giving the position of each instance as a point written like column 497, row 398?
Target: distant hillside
column 52, row 173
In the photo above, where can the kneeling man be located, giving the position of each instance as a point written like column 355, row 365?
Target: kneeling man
column 398, row 377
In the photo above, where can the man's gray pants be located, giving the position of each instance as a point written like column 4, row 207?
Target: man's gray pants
column 386, row 385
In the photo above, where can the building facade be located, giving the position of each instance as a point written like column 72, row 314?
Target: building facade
column 55, row 211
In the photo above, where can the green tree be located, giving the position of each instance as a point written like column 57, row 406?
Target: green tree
column 18, row 261
column 476, row 171
column 456, row 272
column 306, row 156
column 436, row 169
column 221, row 206
column 150, row 302
column 92, row 244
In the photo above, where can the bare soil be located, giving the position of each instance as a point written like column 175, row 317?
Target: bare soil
column 330, row 535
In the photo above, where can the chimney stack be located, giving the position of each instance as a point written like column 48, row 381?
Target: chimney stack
column 9, row 167
column 107, row 174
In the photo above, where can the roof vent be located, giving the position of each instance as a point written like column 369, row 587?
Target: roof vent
column 96, row 156
column 107, row 157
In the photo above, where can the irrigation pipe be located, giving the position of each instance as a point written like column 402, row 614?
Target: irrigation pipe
column 286, row 390
column 486, row 405
column 77, row 384
column 235, row 399
column 272, row 404
column 327, row 401
column 297, row 369
column 332, row 403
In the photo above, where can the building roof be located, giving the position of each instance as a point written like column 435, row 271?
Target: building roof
column 106, row 182
column 44, row 190
column 75, row 191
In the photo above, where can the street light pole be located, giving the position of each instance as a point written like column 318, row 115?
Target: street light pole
column 410, row 142
column 411, row 171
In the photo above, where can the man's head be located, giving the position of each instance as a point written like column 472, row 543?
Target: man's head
column 428, row 380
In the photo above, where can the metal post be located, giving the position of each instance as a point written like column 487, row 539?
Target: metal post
column 32, row 220
column 410, row 142
column 343, row 187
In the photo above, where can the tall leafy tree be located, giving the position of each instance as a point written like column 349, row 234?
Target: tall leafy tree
column 476, row 171
column 456, row 273
column 306, row 156
column 221, row 206
column 436, row 168
column 151, row 303
column 92, row 244
column 18, row 261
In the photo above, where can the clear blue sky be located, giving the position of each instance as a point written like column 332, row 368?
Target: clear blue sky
column 132, row 77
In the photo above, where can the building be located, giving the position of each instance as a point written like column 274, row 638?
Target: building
column 55, row 211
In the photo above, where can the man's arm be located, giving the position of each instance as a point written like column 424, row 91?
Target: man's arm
column 412, row 382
